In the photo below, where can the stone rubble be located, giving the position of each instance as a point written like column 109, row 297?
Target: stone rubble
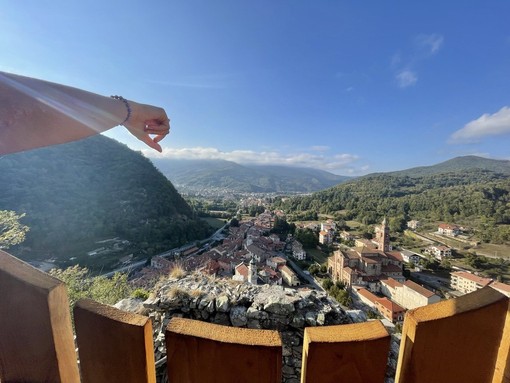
column 230, row 303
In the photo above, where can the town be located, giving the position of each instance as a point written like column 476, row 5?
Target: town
column 371, row 272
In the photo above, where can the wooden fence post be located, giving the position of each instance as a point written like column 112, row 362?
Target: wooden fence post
column 200, row 352
column 36, row 338
column 114, row 345
column 353, row 353
column 457, row 340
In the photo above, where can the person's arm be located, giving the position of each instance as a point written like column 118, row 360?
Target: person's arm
column 36, row 113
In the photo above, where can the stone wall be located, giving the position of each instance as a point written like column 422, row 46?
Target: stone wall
column 231, row 303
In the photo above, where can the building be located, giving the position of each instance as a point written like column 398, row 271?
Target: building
column 363, row 242
column 503, row 288
column 364, row 267
column 410, row 257
column 382, row 236
column 241, row 273
column 449, row 230
column 439, row 251
column 289, row 276
column 276, row 262
column 466, row 282
column 325, row 237
column 161, row 263
column 413, row 224
column 408, row 294
column 388, row 309
column 297, row 251
column 346, row 236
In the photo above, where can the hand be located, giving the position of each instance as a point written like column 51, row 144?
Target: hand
column 146, row 120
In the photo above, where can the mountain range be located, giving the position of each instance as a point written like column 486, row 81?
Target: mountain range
column 194, row 175
column 220, row 174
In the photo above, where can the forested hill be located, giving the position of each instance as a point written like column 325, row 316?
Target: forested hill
column 458, row 164
column 81, row 192
column 451, row 197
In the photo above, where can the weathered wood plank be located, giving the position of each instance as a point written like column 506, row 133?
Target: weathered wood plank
column 114, row 345
column 457, row 340
column 204, row 353
column 36, row 339
column 354, row 353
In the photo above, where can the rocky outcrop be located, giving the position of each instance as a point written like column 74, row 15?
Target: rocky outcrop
column 231, row 303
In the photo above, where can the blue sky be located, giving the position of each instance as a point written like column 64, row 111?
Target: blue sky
column 349, row 87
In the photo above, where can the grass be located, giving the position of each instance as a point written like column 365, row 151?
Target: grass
column 177, row 272
column 214, row 222
column 318, row 255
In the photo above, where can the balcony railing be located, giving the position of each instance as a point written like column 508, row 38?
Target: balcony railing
column 460, row 340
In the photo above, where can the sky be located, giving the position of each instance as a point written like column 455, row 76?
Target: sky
column 348, row 87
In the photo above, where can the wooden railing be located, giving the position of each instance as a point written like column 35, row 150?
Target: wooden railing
column 462, row 340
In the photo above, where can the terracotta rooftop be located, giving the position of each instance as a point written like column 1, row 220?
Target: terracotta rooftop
column 391, row 269
column 475, row 278
column 368, row 295
column 392, row 282
column 392, row 306
column 419, row 289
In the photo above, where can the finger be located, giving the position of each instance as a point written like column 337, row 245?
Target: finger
column 156, row 130
column 150, row 142
column 158, row 122
column 159, row 137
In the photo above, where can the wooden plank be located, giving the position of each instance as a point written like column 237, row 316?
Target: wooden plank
column 113, row 345
column 200, row 352
column 354, row 353
column 36, row 339
column 457, row 340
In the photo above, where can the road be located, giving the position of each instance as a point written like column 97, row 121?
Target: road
column 216, row 236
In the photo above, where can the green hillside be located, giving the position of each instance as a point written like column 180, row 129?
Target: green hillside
column 479, row 198
column 78, row 193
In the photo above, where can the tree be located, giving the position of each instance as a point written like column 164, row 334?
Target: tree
column 80, row 284
column 307, row 238
column 327, row 283
column 12, row 231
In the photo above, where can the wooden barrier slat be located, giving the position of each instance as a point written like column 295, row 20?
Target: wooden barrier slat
column 354, row 353
column 113, row 345
column 200, row 352
column 457, row 340
column 36, row 339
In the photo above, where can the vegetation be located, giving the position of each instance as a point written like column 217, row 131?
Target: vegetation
column 80, row 284
column 12, row 231
column 76, row 194
column 471, row 196
column 307, row 237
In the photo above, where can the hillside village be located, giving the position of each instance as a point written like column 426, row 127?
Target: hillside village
column 371, row 270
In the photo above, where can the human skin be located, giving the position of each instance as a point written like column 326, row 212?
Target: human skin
column 36, row 113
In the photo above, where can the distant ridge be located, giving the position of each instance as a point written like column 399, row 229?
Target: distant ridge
column 221, row 174
column 457, row 164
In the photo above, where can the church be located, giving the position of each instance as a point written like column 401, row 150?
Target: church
column 367, row 265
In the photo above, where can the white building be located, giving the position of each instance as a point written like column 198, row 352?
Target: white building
column 408, row 294
column 289, row 276
column 297, row 251
column 466, row 282
column 439, row 251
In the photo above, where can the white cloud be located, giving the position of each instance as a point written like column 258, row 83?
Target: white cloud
column 486, row 125
column 338, row 163
column 320, row 148
column 430, row 43
column 406, row 78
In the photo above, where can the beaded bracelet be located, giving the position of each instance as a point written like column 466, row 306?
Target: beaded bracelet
column 128, row 107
